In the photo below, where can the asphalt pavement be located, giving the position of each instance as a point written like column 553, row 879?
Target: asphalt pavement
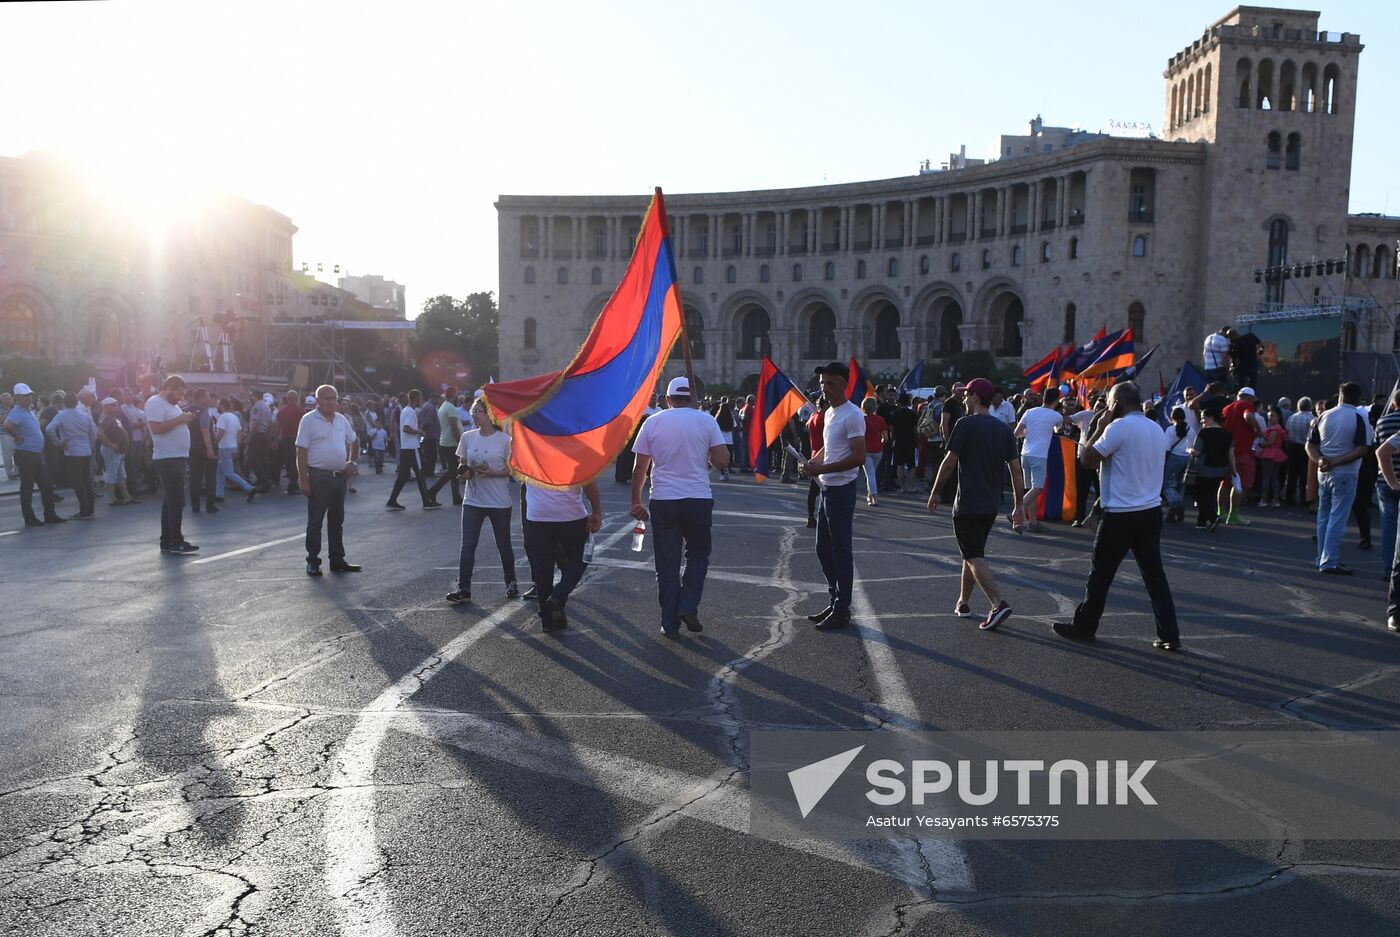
column 221, row 745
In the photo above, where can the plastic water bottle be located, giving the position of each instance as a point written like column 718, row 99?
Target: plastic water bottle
column 588, row 549
column 638, row 535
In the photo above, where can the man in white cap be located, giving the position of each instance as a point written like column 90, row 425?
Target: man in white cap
column 21, row 426
column 114, row 440
column 1239, row 420
column 679, row 445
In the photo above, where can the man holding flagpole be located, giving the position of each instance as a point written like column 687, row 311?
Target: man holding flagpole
column 835, row 467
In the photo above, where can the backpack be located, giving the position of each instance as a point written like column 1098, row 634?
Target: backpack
column 930, row 421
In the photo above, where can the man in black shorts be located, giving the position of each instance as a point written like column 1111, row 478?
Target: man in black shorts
column 904, row 424
column 980, row 448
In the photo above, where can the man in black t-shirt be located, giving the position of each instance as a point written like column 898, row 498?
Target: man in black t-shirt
column 1244, row 358
column 980, row 448
column 904, row 423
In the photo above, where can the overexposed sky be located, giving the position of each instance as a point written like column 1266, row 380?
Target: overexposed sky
column 386, row 130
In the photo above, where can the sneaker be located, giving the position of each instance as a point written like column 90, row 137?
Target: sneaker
column 1206, row 526
column 1066, row 629
column 1392, row 625
column 184, row 549
column 1338, row 570
column 83, row 516
column 963, row 610
column 459, row 597
column 395, row 506
column 431, row 505
column 511, row 591
column 531, row 593
column 1161, row 645
column 691, row 620
column 996, row 616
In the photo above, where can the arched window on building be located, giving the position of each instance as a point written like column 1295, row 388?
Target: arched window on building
column 1069, row 324
column 1264, row 92
column 19, row 327
column 892, row 267
column 1362, row 265
column 1381, row 270
column 731, row 274
column 1331, row 94
column 1205, row 98
column 753, row 334
column 1074, row 248
column 885, row 342
column 797, row 273
column 1140, row 246
column 986, row 258
column 1293, row 154
column 1274, row 158
column 830, row 270
column 1307, row 92
column 1010, row 345
column 1244, row 72
column 530, row 334
column 923, row 265
column 764, row 274
column 563, row 275
column 529, row 274
column 860, row 270
column 597, row 276
column 955, row 263
column 949, row 334
column 698, row 276
column 1137, row 321
column 821, row 334
column 1278, row 256
column 1016, row 256
column 1044, row 251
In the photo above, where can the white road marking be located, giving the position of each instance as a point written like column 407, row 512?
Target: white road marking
column 8, row 533
column 241, row 551
column 353, row 859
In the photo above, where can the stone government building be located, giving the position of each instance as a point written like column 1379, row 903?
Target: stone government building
column 1066, row 232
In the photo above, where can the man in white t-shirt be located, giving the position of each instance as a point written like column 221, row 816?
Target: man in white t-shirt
column 327, row 449
column 227, row 430
column 1129, row 454
column 1037, row 430
column 558, row 528
column 169, row 425
column 409, row 437
column 679, row 445
column 835, row 467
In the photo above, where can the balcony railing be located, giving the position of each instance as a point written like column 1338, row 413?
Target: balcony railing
column 796, row 250
column 926, row 239
column 699, row 252
column 861, row 246
column 830, row 247
column 767, row 250
column 1139, row 216
column 988, row 232
column 731, row 252
column 563, row 253
column 894, row 242
column 957, row 237
column 1048, row 224
column 1019, row 229
column 1076, row 219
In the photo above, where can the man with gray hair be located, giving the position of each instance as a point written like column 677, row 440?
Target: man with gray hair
column 1127, row 450
column 327, row 448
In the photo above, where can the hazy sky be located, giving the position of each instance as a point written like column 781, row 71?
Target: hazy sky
column 386, row 130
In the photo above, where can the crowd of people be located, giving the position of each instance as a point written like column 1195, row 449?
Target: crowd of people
column 1134, row 469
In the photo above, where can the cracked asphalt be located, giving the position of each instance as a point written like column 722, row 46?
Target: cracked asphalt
column 231, row 748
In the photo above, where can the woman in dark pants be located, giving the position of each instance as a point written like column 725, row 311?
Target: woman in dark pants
column 1214, row 455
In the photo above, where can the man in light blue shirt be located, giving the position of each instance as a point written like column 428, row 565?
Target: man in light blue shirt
column 74, row 432
column 22, row 426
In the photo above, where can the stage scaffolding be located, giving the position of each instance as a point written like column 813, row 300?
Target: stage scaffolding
column 321, row 348
column 1366, row 329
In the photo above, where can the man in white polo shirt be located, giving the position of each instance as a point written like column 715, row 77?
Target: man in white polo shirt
column 326, row 451
column 680, row 445
column 1129, row 454
column 169, row 424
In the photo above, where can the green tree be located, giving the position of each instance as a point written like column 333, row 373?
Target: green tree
column 468, row 328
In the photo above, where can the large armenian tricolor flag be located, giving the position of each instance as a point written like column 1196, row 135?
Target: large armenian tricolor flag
column 1116, row 355
column 776, row 402
column 567, row 426
column 1060, row 497
column 1046, row 371
column 859, row 386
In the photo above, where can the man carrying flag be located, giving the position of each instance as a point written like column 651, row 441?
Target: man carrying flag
column 771, row 408
column 835, row 467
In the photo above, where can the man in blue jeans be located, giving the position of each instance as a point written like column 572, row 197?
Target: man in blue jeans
column 679, row 445
column 835, row 467
column 1337, row 443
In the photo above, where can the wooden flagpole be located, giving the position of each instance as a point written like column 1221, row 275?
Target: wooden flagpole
column 685, row 326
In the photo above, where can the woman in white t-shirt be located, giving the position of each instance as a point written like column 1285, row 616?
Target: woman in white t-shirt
column 483, row 459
